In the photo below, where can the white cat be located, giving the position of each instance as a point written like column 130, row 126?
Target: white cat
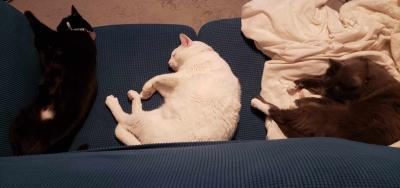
column 201, row 100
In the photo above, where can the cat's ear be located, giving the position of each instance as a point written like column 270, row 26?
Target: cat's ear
column 334, row 67
column 74, row 12
column 185, row 40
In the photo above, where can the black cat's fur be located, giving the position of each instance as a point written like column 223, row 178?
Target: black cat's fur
column 360, row 101
column 68, row 88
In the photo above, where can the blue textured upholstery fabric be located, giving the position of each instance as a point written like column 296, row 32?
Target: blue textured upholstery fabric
column 19, row 67
column 127, row 56
column 247, row 63
column 313, row 162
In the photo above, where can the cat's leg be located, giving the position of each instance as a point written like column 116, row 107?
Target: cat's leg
column 125, row 136
column 161, row 83
column 116, row 110
column 396, row 145
column 136, row 101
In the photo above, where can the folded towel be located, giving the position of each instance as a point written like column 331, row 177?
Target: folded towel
column 301, row 35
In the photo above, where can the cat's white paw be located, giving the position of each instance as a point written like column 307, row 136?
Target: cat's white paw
column 133, row 95
column 147, row 90
column 111, row 100
column 258, row 104
column 145, row 95
column 254, row 102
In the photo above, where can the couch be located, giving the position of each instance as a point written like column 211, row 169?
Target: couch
column 129, row 55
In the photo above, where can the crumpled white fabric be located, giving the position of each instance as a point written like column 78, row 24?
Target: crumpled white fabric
column 301, row 35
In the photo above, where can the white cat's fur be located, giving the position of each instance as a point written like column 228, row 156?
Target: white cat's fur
column 201, row 101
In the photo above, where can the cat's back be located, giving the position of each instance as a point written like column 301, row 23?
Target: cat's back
column 376, row 118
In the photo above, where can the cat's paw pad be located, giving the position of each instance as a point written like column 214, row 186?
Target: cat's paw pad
column 133, row 95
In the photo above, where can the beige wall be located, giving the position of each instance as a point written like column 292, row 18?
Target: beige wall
column 106, row 12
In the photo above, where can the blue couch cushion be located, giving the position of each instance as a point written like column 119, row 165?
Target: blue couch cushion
column 311, row 162
column 19, row 67
column 247, row 63
column 128, row 56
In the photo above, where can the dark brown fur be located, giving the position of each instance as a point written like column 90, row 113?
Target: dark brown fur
column 361, row 102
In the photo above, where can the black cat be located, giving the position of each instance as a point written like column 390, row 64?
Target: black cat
column 67, row 90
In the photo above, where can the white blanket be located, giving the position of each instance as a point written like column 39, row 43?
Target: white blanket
column 300, row 35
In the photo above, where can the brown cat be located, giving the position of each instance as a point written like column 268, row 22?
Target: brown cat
column 360, row 101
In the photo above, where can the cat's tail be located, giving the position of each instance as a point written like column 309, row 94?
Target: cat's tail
column 136, row 101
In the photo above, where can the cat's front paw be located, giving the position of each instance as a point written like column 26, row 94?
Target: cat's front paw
column 145, row 95
column 147, row 91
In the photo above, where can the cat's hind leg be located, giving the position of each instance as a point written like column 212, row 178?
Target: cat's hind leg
column 125, row 136
column 116, row 110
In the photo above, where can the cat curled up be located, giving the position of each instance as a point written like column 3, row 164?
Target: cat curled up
column 67, row 91
column 360, row 101
column 201, row 100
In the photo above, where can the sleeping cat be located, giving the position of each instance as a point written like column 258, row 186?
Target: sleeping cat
column 66, row 92
column 360, row 101
column 201, row 100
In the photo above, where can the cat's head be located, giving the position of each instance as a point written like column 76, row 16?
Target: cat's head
column 186, row 50
column 75, row 22
column 69, row 41
column 353, row 78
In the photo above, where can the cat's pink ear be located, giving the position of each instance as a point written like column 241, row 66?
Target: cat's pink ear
column 185, row 40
